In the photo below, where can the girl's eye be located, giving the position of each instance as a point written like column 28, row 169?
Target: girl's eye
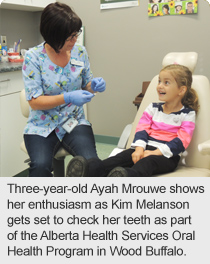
column 167, row 83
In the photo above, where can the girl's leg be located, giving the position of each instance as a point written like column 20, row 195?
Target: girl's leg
column 41, row 151
column 123, row 159
column 146, row 167
column 80, row 167
column 153, row 165
column 80, row 142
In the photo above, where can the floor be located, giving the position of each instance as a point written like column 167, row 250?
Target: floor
column 103, row 151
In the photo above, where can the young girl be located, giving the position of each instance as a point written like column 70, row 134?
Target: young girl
column 162, row 134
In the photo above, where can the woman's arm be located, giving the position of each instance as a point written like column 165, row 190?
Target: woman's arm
column 45, row 102
column 96, row 85
column 88, row 88
column 77, row 97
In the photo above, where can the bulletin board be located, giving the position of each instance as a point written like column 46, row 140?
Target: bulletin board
column 165, row 7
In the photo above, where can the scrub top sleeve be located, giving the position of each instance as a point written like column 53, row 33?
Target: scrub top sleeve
column 32, row 75
column 87, row 74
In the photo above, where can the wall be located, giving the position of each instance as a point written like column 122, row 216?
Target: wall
column 126, row 47
column 17, row 25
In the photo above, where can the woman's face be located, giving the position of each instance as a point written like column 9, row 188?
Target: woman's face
column 155, row 8
column 70, row 42
column 155, row 1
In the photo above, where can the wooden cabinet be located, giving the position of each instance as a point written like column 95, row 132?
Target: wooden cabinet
column 29, row 5
column 12, row 124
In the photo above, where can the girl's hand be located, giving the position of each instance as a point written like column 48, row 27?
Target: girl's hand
column 156, row 152
column 137, row 154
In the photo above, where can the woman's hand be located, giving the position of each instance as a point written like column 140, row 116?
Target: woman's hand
column 98, row 85
column 78, row 97
column 137, row 154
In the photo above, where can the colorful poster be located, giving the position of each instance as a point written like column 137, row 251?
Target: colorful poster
column 175, row 7
column 107, row 4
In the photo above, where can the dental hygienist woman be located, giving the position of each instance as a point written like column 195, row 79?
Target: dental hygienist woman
column 58, row 81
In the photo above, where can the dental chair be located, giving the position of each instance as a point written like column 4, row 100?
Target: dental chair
column 195, row 161
column 59, row 158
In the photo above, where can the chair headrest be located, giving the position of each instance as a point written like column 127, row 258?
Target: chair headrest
column 188, row 59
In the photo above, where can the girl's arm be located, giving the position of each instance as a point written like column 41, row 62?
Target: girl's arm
column 156, row 152
column 141, row 135
column 184, row 136
column 137, row 154
column 143, row 128
column 140, row 153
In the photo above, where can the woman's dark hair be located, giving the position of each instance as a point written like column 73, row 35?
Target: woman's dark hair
column 58, row 22
column 155, row 5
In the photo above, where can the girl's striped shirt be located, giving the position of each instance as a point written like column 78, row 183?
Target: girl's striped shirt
column 170, row 133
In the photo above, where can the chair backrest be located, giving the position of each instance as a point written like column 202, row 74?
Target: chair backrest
column 188, row 59
column 24, row 105
column 192, row 157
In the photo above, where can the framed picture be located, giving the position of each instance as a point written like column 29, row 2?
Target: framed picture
column 106, row 4
column 173, row 7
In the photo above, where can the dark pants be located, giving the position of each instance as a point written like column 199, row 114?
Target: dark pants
column 151, row 165
column 41, row 150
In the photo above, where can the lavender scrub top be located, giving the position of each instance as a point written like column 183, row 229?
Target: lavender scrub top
column 42, row 77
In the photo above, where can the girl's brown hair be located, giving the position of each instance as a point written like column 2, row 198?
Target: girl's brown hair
column 183, row 77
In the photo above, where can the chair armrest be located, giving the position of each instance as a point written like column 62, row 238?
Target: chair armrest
column 115, row 151
column 204, row 148
column 122, row 141
column 124, row 137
